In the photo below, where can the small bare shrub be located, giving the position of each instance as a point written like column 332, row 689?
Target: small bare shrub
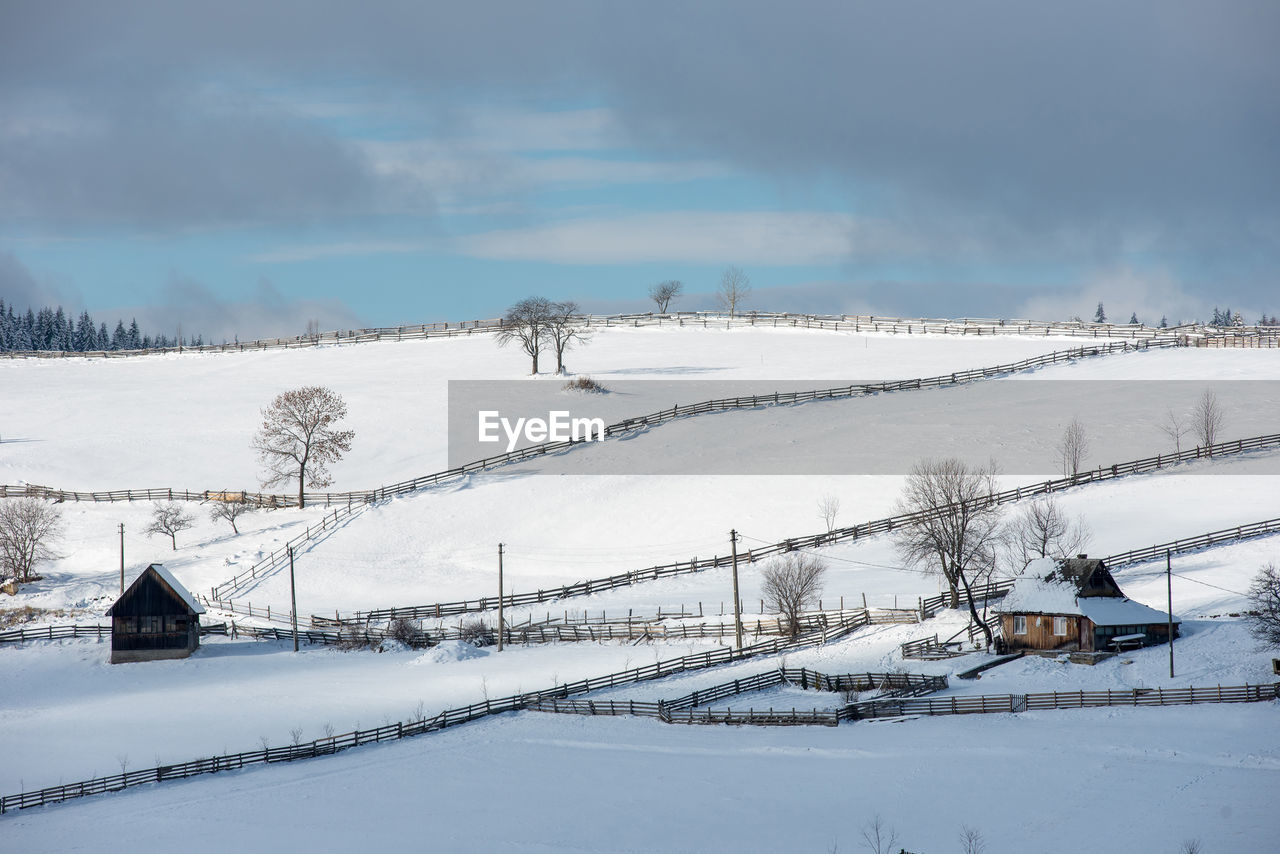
column 407, row 632
column 585, row 384
column 478, row 633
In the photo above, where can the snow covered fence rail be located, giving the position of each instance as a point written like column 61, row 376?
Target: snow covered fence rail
column 1005, row 703
column 392, row 732
column 682, row 709
column 103, row 632
column 1191, row 544
column 54, row 633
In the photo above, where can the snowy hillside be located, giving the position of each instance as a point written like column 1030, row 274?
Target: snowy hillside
column 185, row 421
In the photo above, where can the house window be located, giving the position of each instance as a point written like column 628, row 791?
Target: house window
column 1060, row 627
column 150, row 625
column 1020, row 625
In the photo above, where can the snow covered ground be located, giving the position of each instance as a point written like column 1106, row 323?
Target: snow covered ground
column 624, row 785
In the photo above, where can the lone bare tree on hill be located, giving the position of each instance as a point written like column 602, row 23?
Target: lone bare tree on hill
column 1072, row 448
column 526, row 323
column 169, row 520
column 734, row 289
column 230, row 511
column 792, row 582
column 28, row 529
column 565, row 326
column 956, row 524
column 299, row 437
column 1175, row 427
column 828, row 509
column 1206, row 420
column 664, row 292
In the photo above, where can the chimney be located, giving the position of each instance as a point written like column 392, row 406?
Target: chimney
column 1082, row 557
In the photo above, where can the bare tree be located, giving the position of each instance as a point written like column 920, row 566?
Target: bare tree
column 28, row 529
column 1043, row 529
column 792, row 582
column 664, row 292
column 169, row 520
column 878, row 837
column 955, row 526
column 1072, row 448
column 526, row 323
column 313, row 330
column 565, row 326
column 1206, row 420
column 1191, row 846
column 230, row 511
column 734, row 289
column 299, row 437
column 971, row 841
column 1264, row 603
column 828, row 509
column 1175, row 427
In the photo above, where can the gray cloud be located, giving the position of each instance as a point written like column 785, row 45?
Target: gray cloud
column 264, row 313
column 22, row 290
column 1082, row 128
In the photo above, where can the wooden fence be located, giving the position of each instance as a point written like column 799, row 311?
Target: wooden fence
column 391, row 732
column 348, row 499
column 279, row 558
column 1005, row 703
column 570, row 630
column 682, row 709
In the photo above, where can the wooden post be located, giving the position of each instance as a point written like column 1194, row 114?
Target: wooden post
column 1168, row 568
column 122, row 558
column 737, row 604
column 293, row 601
column 499, row 597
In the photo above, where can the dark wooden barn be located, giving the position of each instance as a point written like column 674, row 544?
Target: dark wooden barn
column 155, row 618
column 1076, row 605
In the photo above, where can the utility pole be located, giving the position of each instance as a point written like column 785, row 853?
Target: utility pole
column 122, row 558
column 737, row 603
column 1168, row 572
column 293, row 601
column 500, row 623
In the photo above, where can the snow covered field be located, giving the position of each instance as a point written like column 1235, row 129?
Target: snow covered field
column 619, row 785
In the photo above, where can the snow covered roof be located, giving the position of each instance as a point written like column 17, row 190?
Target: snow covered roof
column 183, row 593
column 173, row 583
column 1109, row 611
column 1044, row 588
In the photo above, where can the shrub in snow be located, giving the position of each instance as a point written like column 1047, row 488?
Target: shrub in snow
column 585, row 384
column 407, row 632
column 477, row 633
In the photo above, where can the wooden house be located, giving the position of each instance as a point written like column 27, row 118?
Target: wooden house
column 1075, row 605
column 155, row 618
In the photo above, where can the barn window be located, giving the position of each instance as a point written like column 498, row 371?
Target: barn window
column 150, row 625
column 1060, row 627
column 1020, row 625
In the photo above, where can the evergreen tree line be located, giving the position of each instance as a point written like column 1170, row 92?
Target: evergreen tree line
column 1220, row 318
column 53, row 329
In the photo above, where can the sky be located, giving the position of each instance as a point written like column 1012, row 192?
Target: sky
column 243, row 168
